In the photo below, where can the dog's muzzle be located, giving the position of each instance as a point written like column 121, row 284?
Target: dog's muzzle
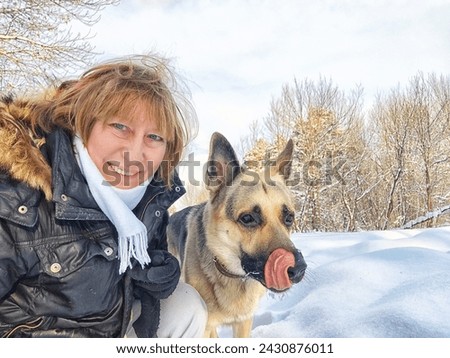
column 277, row 272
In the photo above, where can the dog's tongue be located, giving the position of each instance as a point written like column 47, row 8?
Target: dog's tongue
column 276, row 269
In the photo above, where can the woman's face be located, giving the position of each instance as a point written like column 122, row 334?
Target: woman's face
column 127, row 152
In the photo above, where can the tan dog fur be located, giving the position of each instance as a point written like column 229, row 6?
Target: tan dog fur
column 212, row 243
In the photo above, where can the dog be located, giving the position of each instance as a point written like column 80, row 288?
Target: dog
column 237, row 245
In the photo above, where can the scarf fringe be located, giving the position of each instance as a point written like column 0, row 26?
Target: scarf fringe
column 133, row 246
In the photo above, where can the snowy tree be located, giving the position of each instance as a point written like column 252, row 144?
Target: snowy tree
column 392, row 119
column 387, row 168
column 411, row 127
column 36, row 40
column 431, row 135
column 255, row 157
column 325, row 124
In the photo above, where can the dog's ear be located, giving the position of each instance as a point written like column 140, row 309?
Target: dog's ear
column 283, row 163
column 223, row 165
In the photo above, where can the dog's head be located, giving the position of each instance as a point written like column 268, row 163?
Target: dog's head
column 252, row 215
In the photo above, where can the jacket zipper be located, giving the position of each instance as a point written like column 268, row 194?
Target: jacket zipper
column 28, row 325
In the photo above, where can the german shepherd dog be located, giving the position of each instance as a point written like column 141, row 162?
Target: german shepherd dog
column 237, row 244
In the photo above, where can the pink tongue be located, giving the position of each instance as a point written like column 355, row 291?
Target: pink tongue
column 276, row 269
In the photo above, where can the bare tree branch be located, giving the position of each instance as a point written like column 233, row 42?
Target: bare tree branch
column 37, row 42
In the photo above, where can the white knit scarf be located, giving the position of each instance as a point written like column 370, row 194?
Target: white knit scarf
column 117, row 204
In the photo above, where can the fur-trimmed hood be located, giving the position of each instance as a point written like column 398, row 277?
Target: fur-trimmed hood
column 19, row 146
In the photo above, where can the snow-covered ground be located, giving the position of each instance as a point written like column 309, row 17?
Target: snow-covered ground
column 366, row 284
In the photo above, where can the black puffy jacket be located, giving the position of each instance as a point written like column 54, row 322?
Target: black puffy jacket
column 59, row 275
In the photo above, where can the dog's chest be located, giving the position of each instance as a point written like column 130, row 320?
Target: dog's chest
column 240, row 298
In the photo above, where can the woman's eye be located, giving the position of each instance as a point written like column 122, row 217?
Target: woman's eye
column 119, row 126
column 155, row 138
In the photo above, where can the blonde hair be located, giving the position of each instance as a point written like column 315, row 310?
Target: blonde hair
column 120, row 88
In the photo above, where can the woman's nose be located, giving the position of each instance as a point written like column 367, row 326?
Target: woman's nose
column 135, row 150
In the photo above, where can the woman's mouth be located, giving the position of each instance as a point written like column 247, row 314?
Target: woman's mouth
column 120, row 171
column 123, row 178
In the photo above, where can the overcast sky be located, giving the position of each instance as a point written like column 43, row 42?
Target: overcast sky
column 237, row 54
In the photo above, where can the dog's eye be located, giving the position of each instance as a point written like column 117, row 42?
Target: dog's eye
column 248, row 220
column 287, row 216
column 289, row 220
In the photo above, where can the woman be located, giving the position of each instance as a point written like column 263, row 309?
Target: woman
column 86, row 179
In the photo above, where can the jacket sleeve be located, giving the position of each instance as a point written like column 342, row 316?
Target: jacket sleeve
column 154, row 282
column 160, row 277
column 12, row 265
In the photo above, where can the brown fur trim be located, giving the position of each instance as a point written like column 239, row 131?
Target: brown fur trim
column 19, row 147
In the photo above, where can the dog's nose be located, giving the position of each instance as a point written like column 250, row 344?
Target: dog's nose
column 297, row 272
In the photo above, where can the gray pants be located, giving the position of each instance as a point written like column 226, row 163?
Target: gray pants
column 183, row 314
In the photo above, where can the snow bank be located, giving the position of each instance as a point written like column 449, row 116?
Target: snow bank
column 367, row 284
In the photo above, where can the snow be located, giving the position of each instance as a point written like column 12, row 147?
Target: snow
column 383, row 284
column 358, row 285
